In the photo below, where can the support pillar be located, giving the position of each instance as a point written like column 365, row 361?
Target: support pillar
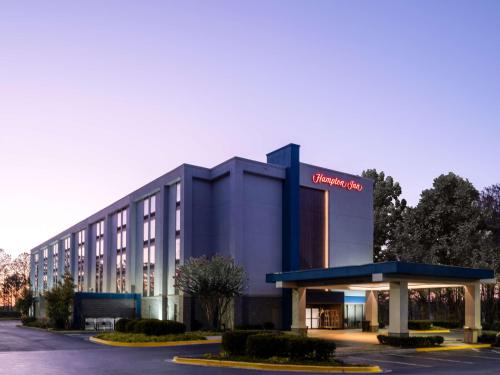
column 299, row 311
column 472, row 328
column 398, row 309
column 371, row 310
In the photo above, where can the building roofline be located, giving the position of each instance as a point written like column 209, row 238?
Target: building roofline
column 283, row 147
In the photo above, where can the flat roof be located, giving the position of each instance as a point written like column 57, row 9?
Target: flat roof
column 365, row 272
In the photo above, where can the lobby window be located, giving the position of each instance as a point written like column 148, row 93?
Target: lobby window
column 55, row 263
column 45, row 268
column 37, row 259
column 81, row 260
column 99, row 255
column 67, row 254
column 313, row 228
column 121, row 251
column 149, row 255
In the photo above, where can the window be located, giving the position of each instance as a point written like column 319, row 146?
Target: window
column 37, row 258
column 55, row 263
column 177, row 228
column 121, row 251
column 99, row 255
column 148, row 253
column 67, row 254
column 81, row 261
column 178, row 219
column 177, row 250
column 313, row 228
column 178, row 192
column 45, row 268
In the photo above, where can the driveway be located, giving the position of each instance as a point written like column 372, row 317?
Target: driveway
column 32, row 352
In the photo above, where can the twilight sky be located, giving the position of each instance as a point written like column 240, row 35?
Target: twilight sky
column 98, row 98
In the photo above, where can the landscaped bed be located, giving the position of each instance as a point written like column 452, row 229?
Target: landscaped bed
column 141, row 337
column 411, row 342
column 275, row 350
column 149, row 331
column 489, row 337
column 274, row 360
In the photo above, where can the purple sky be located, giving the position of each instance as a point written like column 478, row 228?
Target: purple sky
column 99, row 97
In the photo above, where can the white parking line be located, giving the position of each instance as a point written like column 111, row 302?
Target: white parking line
column 429, row 358
column 398, row 363
column 484, row 357
column 494, row 351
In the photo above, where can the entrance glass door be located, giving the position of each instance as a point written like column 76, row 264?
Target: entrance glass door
column 312, row 317
column 353, row 315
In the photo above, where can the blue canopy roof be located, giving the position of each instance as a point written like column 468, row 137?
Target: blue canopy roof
column 393, row 269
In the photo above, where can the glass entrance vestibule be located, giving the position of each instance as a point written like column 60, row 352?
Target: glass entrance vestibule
column 338, row 316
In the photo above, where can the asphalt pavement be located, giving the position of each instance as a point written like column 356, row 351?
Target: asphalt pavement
column 32, row 352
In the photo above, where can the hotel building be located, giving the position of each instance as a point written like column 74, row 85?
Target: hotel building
column 279, row 216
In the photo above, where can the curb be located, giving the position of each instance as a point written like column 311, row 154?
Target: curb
column 455, row 347
column 429, row 331
column 276, row 367
column 95, row 340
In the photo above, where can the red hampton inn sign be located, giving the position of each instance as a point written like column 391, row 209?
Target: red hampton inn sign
column 320, row 178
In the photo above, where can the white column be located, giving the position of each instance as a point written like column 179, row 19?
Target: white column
column 299, row 311
column 472, row 312
column 398, row 308
column 371, row 310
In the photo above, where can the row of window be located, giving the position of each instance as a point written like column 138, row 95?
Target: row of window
column 121, row 251
column 99, row 255
column 81, row 260
column 149, row 253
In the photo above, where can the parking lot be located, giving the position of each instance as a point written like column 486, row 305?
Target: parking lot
column 473, row 361
column 29, row 352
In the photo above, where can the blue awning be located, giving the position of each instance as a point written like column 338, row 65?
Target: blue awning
column 391, row 269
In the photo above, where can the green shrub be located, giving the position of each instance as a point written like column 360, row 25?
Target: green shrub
column 420, row 325
column 130, row 326
column 267, row 345
column 155, row 327
column 487, row 338
column 411, row 342
column 310, row 348
column 121, row 325
column 235, row 342
column 447, row 323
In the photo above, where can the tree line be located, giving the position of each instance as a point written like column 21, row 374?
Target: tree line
column 14, row 277
column 452, row 224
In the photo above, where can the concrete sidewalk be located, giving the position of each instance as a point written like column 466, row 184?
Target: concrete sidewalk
column 353, row 341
